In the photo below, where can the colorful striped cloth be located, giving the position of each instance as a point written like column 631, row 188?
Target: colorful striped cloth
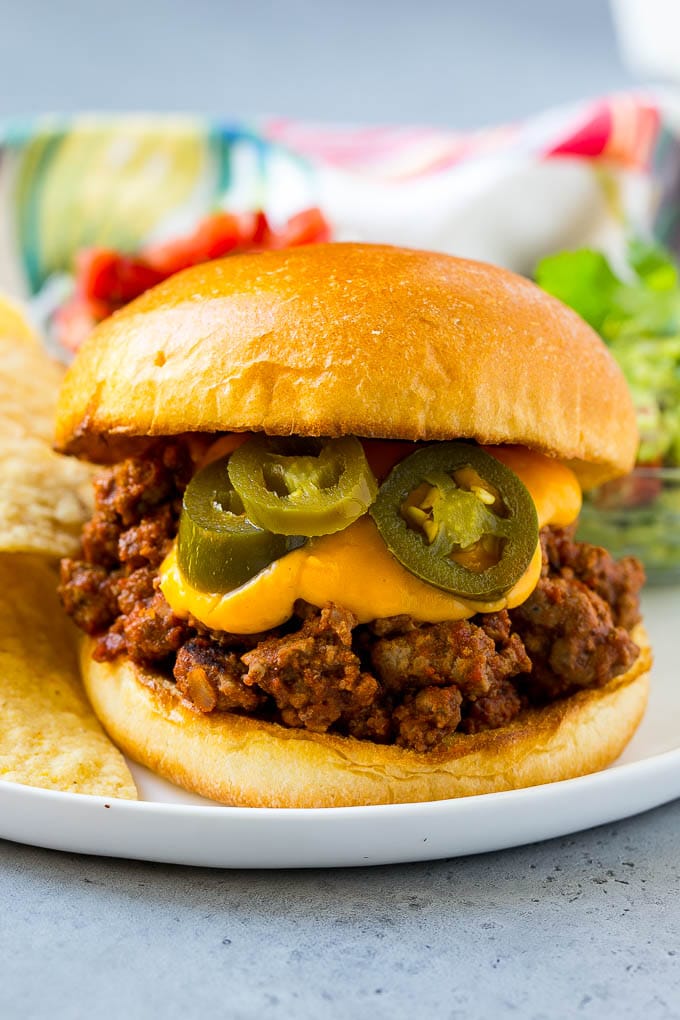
column 623, row 129
column 585, row 174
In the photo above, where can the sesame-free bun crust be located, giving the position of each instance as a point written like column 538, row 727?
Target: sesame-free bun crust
column 241, row 761
column 357, row 339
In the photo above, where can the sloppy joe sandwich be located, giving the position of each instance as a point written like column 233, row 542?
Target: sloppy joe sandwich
column 332, row 559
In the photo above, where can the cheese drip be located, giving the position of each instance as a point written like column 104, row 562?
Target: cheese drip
column 355, row 568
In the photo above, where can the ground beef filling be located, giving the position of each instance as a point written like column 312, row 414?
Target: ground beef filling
column 392, row 681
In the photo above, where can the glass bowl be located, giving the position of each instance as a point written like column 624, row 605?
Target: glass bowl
column 638, row 515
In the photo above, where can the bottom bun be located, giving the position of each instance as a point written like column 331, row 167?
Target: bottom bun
column 241, row 761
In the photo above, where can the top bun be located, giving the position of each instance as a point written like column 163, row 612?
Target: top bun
column 352, row 339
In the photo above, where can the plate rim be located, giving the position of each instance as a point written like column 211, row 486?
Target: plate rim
column 651, row 763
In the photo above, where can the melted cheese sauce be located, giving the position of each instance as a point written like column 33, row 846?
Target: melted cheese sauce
column 355, row 568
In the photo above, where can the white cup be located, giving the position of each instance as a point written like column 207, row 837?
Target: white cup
column 649, row 36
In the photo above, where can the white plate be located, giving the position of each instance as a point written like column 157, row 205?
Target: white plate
column 177, row 828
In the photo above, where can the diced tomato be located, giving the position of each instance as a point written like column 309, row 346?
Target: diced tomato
column 105, row 275
column 223, row 446
column 383, row 454
column 172, row 256
column 107, row 280
column 214, row 236
column 95, row 268
column 76, row 319
column 637, row 489
column 307, row 227
column 262, row 235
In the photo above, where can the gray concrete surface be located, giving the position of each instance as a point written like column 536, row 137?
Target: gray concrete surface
column 584, row 926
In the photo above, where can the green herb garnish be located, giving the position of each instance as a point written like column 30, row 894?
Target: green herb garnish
column 637, row 314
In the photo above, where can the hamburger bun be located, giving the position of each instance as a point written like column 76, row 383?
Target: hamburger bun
column 408, row 345
column 376, row 342
column 242, row 761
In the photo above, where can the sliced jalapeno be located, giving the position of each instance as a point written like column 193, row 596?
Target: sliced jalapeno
column 459, row 519
column 218, row 547
column 303, row 486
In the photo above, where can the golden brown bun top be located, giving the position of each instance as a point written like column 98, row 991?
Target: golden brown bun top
column 355, row 339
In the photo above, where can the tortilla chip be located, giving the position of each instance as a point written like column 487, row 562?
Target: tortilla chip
column 29, row 384
column 49, row 736
column 13, row 322
column 44, row 497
